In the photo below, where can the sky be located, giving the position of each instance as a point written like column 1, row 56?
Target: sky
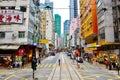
column 61, row 7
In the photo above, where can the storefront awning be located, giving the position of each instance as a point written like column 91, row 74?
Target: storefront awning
column 5, row 47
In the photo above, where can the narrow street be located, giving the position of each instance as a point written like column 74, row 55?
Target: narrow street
column 49, row 69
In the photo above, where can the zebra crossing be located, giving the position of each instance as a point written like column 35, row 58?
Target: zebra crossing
column 46, row 65
column 2, row 71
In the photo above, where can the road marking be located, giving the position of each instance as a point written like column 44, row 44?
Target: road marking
column 46, row 65
column 50, row 65
column 42, row 65
column 97, row 75
column 118, row 76
column 54, row 65
column 3, row 71
column 9, row 77
column 24, row 79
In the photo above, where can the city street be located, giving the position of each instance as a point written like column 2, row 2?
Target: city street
column 59, row 39
column 49, row 69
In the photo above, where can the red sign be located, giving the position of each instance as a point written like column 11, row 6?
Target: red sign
column 20, row 52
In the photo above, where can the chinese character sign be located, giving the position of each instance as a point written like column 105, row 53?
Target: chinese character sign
column 7, row 16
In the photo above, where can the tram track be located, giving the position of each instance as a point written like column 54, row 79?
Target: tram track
column 69, row 65
column 65, row 71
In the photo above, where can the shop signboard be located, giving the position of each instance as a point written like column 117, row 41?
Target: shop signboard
column 11, row 16
column 43, row 41
column 20, row 52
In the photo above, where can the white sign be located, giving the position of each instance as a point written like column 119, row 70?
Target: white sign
column 10, row 16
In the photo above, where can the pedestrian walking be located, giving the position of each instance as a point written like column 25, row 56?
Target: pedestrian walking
column 118, row 67
column 106, row 63
column 39, row 60
column 110, row 65
column 59, row 62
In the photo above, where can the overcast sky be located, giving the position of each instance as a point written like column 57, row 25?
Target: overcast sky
column 61, row 7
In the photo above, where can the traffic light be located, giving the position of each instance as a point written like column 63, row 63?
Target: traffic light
column 34, row 63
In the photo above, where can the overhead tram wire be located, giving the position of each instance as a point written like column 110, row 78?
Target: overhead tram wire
column 77, row 9
column 73, row 8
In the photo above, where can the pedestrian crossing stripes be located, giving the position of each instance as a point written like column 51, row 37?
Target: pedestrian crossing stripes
column 46, row 65
column 3, row 71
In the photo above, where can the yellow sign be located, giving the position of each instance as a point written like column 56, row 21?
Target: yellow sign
column 90, row 48
column 93, row 45
column 101, row 42
column 43, row 41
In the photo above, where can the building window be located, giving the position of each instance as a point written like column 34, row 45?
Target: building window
column 2, row 7
column 102, row 33
column 21, row 34
column 30, row 35
column 23, row 8
column 11, row 7
column 2, row 35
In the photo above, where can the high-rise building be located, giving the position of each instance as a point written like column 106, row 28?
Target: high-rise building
column 108, row 28
column 43, row 24
column 48, row 23
column 105, row 22
column 73, row 9
column 58, row 24
column 116, row 19
column 19, row 28
column 73, row 14
column 89, row 28
column 66, row 31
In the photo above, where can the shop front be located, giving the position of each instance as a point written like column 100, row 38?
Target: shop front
column 6, row 56
column 5, row 59
column 92, row 52
column 23, row 55
column 18, row 54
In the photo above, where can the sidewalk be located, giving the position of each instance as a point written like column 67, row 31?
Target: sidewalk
column 28, row 65
column 113, row 71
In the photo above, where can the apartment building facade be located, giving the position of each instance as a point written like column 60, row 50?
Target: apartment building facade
column 89, row 28
column 108, row 28
column 19, row 29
